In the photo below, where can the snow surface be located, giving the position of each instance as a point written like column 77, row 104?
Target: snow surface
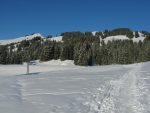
column 59, row 62
column 57, row 88
column 123, row 37
column 57, row 39
column 9, row 41
column 94, row 33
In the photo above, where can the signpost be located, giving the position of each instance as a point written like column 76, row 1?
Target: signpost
column 27, row 67
column 28, row 64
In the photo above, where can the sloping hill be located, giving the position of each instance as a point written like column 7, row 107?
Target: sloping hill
column 16, row 40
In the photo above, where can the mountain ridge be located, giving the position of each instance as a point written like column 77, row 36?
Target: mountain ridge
column 19, row 39
column 141, row 37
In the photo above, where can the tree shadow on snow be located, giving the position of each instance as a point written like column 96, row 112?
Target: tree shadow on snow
column 29, row 74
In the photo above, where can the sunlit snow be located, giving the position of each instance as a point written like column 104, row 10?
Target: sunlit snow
column 61, row 87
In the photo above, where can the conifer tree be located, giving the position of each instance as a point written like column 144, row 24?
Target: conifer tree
column 45, row 55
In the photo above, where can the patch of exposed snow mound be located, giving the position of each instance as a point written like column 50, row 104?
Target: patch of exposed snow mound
column 9, row 41
column 59, row 62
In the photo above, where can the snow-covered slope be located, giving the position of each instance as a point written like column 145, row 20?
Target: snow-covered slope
column 110, row 38
column 8, row 41
column 29, row 37
column 123, row 37
column 59, row 38
column 94, row 33
column 140, row 38
column 75, row 89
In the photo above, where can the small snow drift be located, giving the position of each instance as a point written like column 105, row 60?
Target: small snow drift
column 59, row 62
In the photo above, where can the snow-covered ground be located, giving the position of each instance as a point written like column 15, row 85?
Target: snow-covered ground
column 73, row 89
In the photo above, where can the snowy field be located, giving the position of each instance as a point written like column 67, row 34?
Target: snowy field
column 65, row 88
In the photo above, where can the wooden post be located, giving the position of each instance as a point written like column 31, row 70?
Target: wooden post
column 28, row 67
column 28, row 60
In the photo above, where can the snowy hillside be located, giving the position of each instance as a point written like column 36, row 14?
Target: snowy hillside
column 123, row 37
column 59, row 38
column 29, row 37
column 74, row 89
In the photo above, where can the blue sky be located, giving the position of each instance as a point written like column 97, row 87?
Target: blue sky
column 23, row 17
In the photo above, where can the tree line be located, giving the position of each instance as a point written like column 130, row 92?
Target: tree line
column 82, row 47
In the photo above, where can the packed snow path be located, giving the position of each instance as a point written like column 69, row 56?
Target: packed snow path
column 124, row 95
column 74, row 89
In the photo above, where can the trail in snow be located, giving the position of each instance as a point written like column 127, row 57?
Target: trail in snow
column 120, row 96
